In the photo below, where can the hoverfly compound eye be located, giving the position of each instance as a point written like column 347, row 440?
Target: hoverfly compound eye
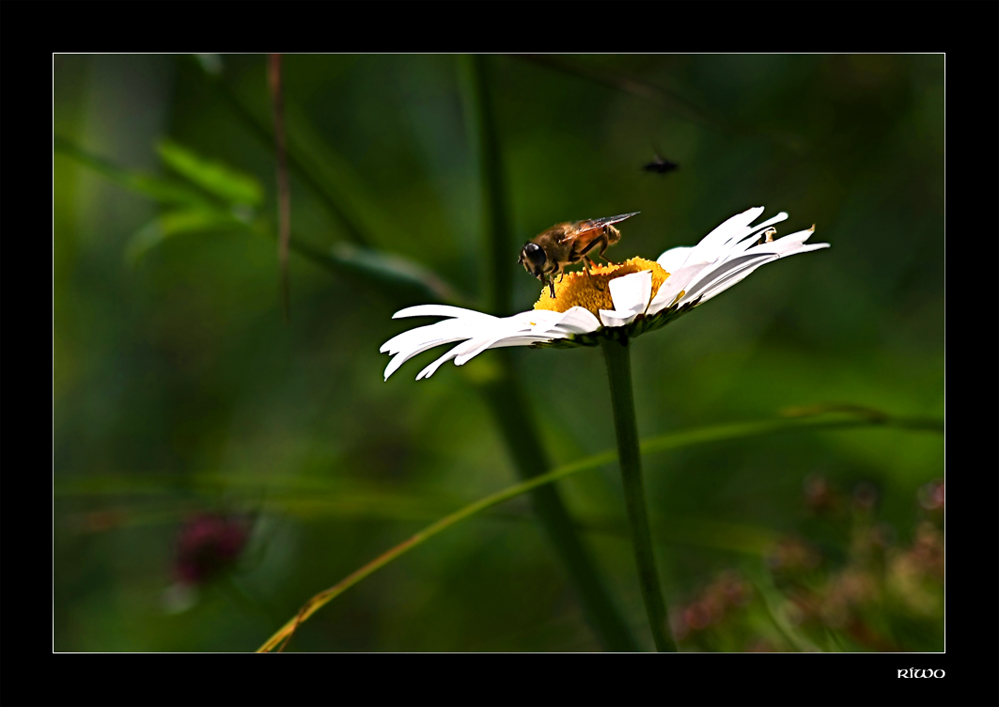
column 536, row 255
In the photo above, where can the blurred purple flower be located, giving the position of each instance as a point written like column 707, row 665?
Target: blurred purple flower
column 819, row 494
column 931, row 495
column 209, row 544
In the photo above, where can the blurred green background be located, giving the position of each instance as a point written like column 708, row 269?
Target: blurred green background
column 180, row 390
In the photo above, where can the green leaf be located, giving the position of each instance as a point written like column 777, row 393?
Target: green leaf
column 163, row 190
column 393, row 271
column 221, row 180
column 211, row 64
column 174, row 223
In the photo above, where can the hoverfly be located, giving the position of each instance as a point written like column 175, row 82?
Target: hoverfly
column 660, row 165
column 545, row 255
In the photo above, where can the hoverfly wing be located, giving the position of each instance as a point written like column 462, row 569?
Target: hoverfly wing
column 595, row 224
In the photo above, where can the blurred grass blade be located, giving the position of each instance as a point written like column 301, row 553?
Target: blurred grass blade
column 401, row 281
column 391, row 270
column 283, row 183
column 359, row 208
column 230, row 185
column 160, row 189
column 341, row 199
column 174, row 223
column 673, row 440
column 505, row 394
column 480, row 117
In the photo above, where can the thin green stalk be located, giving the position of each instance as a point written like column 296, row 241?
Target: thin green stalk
column 283, row 182
column 617, row 356
column 324, row 597
column 672, row 440
column 335, row 204
column 501, row 251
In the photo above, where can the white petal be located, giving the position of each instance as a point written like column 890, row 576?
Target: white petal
column 474, row 347
column 750, row 241
column 782, row 216
column 525, row 340
column 440, row 310
column 541, row 321
column 732, row 228
column 717, row 286
column 674, row 258
column 610, row 317
column 462, row 354
column 577, row 320
column 403, row 355
column 805, row 249
column 435, row 334
column 733, row 236
column 429, row 370
column 674, row 284
column 477, row 331
column 726, row 274
column 793, row 242
column 720, row 271
column 631, row 293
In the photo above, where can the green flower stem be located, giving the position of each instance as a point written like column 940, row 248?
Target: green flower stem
column 618, row 360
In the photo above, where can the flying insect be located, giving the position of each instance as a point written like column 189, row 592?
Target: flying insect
column 660, row 165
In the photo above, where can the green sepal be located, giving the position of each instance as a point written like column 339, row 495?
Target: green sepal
column 639, row 326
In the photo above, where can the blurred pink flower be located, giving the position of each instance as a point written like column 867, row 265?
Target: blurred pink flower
column 208, row 545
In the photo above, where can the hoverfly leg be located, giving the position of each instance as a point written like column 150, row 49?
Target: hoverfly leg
column 551, row 287
column 589, row 276
column 605, row 243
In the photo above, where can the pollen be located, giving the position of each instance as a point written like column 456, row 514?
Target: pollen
column 592, row 292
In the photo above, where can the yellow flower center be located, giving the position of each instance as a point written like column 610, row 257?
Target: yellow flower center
column 577, row 289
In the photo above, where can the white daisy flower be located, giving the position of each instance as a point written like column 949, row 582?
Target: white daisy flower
column 620, row 300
